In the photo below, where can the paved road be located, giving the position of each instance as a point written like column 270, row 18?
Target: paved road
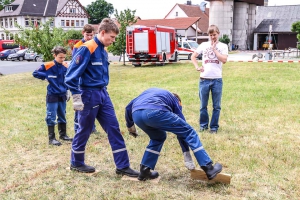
column 14, row 67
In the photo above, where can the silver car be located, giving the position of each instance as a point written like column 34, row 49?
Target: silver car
column 33, row 56
column 19, row 55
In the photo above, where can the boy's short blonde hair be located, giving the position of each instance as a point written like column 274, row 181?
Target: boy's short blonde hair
column 213, row 28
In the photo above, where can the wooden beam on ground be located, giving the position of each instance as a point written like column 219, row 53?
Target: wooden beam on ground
column 199, row 174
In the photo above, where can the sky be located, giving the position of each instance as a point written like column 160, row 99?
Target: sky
column 158, row 9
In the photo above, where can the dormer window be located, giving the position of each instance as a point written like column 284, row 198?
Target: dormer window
column 8, row 9
column 72, row 10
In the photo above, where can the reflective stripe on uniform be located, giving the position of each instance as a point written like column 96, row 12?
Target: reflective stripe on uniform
column 78, row 151
column 152, row 151
column 198, row 149
column 119, row 150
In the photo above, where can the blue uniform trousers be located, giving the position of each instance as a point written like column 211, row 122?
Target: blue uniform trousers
column 155, row 123
column 76, row 124
column 56, row 109
column 97, row 104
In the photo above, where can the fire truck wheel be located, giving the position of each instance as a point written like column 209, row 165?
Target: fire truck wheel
column 189, row 56
column 137, row 65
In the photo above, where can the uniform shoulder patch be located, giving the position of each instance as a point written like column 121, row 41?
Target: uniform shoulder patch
column 78, row 59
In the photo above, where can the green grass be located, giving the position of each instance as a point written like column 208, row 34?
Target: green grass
column 258, row 141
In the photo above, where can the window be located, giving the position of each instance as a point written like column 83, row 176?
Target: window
column 6, row 23
column 72, row 10
column 16, row 21
column 82, row 23
column 72, row 23
column 11, row 22
column 176, row 14
column 62, row 23
column 52, row 24
column 26, row 21
column 67, row 22
column 2, row 36
column 8, row 9
column 1, row 22
column 77, row 22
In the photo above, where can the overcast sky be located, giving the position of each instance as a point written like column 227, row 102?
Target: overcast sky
column 158, row 9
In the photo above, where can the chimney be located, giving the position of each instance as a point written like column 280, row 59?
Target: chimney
column 188, row 2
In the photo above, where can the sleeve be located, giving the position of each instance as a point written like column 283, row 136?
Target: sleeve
column 40, row 73
column 199, row 49
column 76, row 69
column 224, row 50
column 74, row 52
column 128, row 115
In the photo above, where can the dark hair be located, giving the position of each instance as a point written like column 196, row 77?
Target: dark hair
column 177, row 96
column 88, row 28
column 58, row 49
column 108, row 25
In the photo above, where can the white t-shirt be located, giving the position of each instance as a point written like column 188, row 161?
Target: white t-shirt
column 212, row 66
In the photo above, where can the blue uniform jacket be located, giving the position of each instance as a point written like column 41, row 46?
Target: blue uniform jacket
column 55, row 73
column 76, row 46
column 153, row 98
column 89, row 68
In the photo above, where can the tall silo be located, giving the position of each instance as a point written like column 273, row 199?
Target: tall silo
column 221, row 14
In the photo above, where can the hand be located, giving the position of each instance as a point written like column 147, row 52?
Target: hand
column 77, row 102
column 68, row 94
column 132, row 131
column 200, row 69
column 188, row 161
column 214, row 44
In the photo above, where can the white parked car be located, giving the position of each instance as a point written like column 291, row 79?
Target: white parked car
column 33, row 56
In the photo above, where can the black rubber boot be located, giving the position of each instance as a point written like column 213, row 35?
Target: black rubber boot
column 212, row 171
column 145, row 173
column 62, row 129
column 128, row 172
column 83, row 168
column 51, row 135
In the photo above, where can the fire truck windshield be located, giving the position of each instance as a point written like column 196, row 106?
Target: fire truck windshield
column 193, row 44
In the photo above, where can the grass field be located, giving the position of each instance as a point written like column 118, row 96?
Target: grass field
column 258, row 141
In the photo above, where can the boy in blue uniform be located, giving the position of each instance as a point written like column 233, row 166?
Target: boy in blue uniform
column 157, row 111
column 57, row 94
column 88, row 34
column 89, row 70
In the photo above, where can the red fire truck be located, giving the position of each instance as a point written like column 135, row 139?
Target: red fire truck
column 155, row 44
column 8, row 44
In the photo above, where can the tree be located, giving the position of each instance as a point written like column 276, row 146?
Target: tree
column 42, row 38
column 296, row 28
column 99, row 10
column 225, row 39
column 4, row 2
column 125, row 18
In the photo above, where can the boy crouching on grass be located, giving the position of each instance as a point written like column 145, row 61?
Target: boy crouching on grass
column 57, row 94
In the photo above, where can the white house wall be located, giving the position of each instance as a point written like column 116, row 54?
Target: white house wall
column 178, row 10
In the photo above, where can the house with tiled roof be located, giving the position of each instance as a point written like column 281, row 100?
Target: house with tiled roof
column 189, row 10
column 68, row 14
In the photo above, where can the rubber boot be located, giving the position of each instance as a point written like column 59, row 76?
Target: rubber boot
column 62, row 129
column 145, row 173
column 51, row 135
column 212, row 171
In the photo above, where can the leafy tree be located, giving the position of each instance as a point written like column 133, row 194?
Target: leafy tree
column 225, row 39
column 4, row 2
column 99, row 10
column 74, row 34
column 42, row 38
column 296, row 28
column 125, row 18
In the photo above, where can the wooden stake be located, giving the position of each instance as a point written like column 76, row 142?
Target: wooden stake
column 199, row 174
